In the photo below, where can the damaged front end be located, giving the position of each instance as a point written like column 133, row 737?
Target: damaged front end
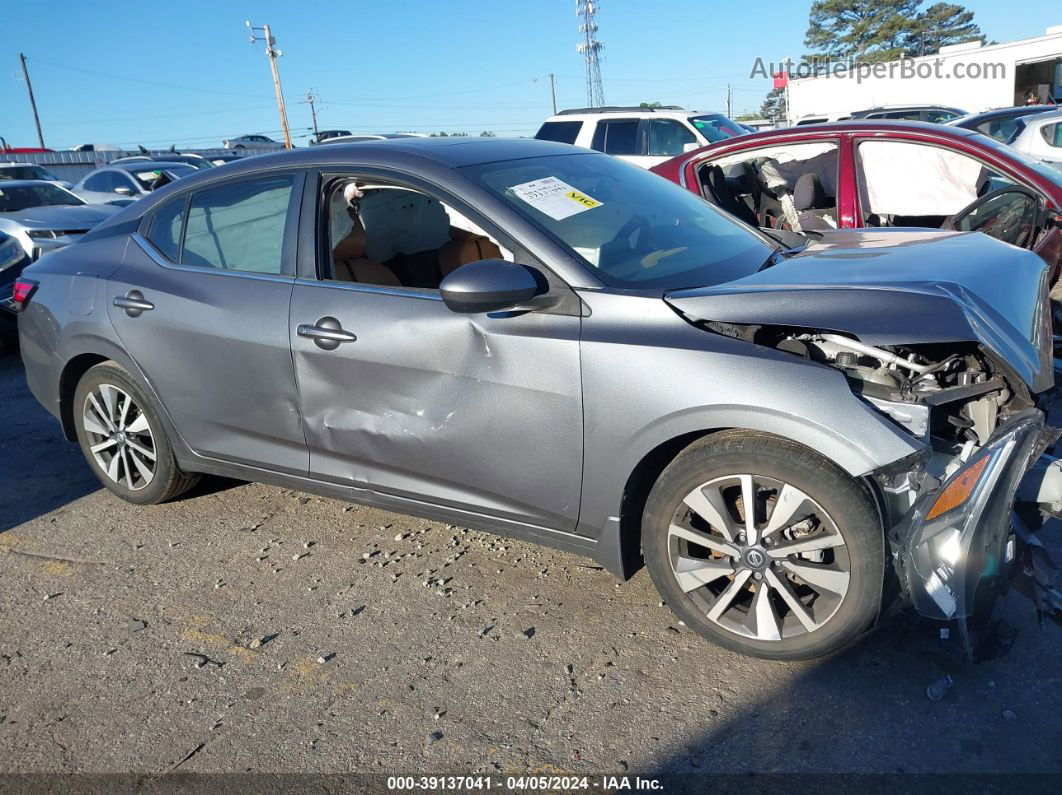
column 962, row 363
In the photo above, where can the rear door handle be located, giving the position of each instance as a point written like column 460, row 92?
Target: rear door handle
column 327, row 333
column 133, row 303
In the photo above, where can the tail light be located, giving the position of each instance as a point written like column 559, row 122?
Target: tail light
column 22, row 292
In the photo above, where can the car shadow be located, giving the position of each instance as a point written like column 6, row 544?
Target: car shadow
column 862, row 719
column 42, row 471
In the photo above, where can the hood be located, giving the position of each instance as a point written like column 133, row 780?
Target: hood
column 899, row 287
column 61, row 216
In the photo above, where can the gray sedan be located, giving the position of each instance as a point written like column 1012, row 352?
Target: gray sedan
column 550, row 343
column 43, row 217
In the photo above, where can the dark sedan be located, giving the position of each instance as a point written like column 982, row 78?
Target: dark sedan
column 547, row 342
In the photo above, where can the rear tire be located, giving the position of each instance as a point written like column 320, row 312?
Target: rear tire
column 123, row 438
column 803, row 580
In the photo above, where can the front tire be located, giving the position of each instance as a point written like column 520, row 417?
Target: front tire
column 802, row 578
column 123, row 439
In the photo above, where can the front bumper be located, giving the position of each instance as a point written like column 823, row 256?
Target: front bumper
column 947, row 559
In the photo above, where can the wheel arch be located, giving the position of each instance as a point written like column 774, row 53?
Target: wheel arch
column 619, row 544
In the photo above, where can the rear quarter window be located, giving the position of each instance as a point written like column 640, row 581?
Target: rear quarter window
column 563, row 132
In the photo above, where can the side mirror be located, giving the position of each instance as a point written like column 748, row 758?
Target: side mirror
column 125, row 190
column 488, row 285
column 692, row 146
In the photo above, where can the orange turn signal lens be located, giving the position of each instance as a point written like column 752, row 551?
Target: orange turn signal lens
column 958, row 491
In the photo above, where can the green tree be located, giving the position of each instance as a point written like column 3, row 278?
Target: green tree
column 774, row 107
column 940, row 25
column 866, row 30
column 651, row 105
column 487, row 134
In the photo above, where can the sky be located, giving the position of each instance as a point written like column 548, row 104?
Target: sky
column 160, row 74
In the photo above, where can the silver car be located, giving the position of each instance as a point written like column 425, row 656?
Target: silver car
column 547, row 342
column 43, row 217
column 1041, row 137
column 122, row 183
column 252, row 143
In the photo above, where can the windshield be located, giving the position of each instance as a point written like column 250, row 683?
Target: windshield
column 24, row 172
column 630, row 226
column 148, row 176
column 715, row 127
column 22, row 197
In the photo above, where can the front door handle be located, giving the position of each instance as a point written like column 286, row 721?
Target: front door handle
column 326, row 333
column 133, row 303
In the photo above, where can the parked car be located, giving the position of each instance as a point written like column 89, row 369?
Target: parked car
column 643, row 136
column 880, row 174
column 13, row 260
column 1003, row 124
column 324, row 135
column 189, row 158
column 255, row 143
column 43, row 217
column 122, row 183
column 30, row 171
column 525, row 337
column 1041, row 137
column 936, row 114
column 222, row 159
column 352, row 138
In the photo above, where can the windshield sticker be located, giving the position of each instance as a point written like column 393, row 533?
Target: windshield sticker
column 554, row 197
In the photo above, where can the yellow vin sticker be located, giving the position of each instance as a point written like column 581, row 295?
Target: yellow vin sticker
column 554, row 197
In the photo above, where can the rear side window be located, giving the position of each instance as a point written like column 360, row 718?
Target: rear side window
column 564, row 132
column 1052, row 134
column 617, row 137
column 165, row 230
column 239, row 226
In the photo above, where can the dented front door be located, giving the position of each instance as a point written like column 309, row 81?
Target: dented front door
column 408, row 399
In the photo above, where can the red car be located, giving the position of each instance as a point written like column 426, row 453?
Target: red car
column 880, row 174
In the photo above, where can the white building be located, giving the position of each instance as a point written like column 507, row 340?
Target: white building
column 966, row 76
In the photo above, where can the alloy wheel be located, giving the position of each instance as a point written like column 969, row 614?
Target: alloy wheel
column 759, row 557
column 120, row 438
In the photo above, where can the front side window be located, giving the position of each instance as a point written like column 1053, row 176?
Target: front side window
column 392, row 236
column 667, row 137
column 630, row 227
column 103, row 182
column 617, row 137
column 1009, row 215
column 564, row 132
column 239, row 226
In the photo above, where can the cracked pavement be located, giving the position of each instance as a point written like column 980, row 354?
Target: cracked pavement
column 253, row 628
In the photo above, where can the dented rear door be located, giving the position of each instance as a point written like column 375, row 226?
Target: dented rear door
column 474, row 412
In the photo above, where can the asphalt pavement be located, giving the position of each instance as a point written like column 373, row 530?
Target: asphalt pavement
column 247, row 628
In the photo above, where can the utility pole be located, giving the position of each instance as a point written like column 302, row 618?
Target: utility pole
column 729, row 101
column 310, row 100
column 33, row 102
column 273, row 53
column 553, row 92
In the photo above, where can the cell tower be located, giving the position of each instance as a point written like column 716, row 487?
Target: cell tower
column 590, row 48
